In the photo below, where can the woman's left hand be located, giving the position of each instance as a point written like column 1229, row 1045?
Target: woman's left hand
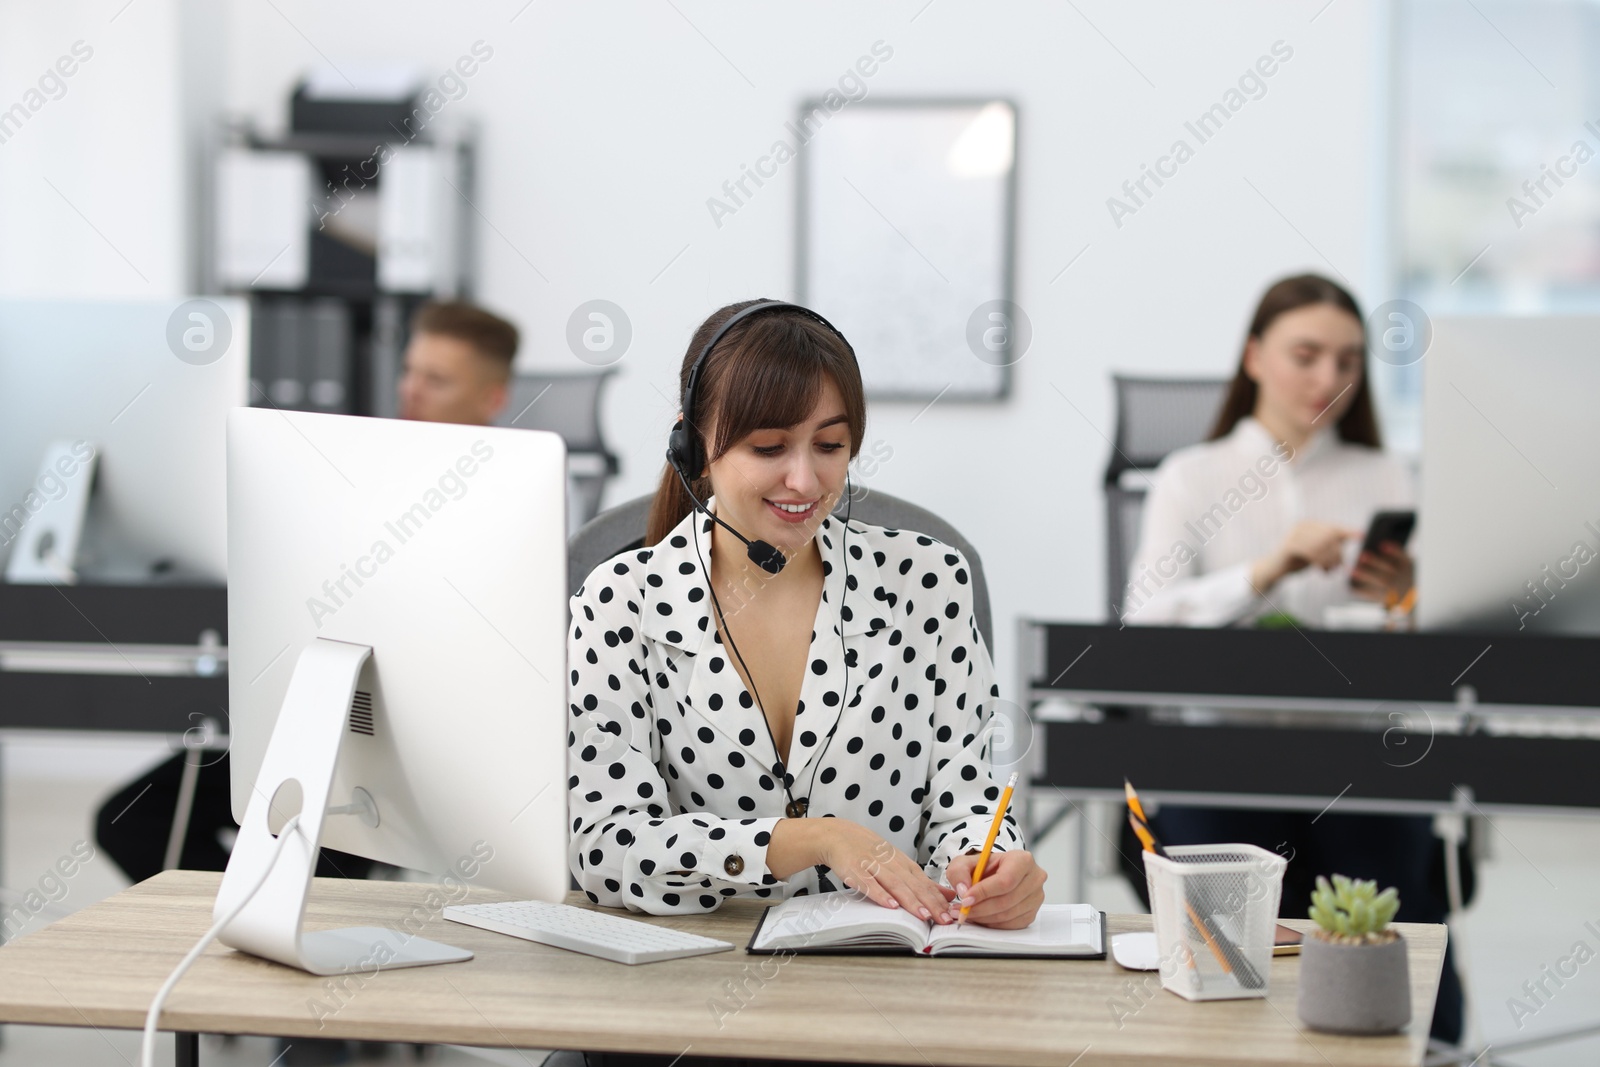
column 1385, row 576
column 1008, row 895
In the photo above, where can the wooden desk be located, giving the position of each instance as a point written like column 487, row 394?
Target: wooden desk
column 101, row 966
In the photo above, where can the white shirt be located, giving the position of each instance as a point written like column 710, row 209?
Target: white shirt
column 1215, row 508
column 673, row 794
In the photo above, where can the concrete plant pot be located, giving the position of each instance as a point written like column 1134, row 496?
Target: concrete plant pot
column 1354, row 989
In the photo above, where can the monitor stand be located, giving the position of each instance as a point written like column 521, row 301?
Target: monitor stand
column 46, row 549
column 296, row 777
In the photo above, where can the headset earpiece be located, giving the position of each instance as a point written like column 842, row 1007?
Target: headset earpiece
column 681, row 450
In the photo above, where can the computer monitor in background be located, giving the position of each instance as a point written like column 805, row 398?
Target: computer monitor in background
column 144, row 387
column 1509, row 530
column 397, row 661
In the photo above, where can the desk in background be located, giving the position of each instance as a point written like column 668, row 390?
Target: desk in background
column 116, row 658
column 101, row 966
column 113, row 657
column 1424, row 722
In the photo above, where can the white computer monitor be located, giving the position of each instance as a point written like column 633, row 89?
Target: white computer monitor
column 1509, row 523
column 442, row 550
column 145, row 385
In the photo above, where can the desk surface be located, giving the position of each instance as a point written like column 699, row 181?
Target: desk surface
column 101, row 966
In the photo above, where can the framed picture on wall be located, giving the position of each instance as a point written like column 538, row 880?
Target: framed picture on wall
column 906, row 225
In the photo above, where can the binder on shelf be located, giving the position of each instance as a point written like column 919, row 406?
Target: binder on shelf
column 263, row 352
column 287, row 388
column 384, row 356
column 326, row 356
column 263, row 227
column 418, row 211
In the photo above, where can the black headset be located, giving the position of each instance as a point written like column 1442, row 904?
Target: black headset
column 686, row 452
column 686, row 455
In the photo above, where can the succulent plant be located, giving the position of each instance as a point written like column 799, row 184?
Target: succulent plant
column 1353, row 910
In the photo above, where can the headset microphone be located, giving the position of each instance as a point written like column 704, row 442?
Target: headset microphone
column 764, row 555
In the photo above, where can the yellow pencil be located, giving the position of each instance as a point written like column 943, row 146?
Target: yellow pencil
column 1134, row 804
column 994, row 832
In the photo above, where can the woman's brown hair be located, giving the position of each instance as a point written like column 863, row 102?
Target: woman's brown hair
column 1359, row 424
column 765, row 373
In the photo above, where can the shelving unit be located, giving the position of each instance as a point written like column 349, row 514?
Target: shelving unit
column 336, row 235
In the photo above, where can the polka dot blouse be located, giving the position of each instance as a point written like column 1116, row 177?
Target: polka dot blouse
column 675, row 785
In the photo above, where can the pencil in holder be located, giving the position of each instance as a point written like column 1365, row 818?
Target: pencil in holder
column 1215, row 909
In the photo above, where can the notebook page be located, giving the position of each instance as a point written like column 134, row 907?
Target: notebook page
column 1057, row 928
column 815, row 921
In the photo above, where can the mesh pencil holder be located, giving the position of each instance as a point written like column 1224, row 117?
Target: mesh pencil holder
column 1215, row 909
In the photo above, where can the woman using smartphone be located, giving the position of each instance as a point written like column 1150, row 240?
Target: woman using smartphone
column 767, row 700
column 1263, row 519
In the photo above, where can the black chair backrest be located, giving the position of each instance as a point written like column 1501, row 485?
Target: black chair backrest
column 564, row 402
column 1155, row 416
column 567, row 403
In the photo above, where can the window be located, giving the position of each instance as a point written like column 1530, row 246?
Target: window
column 1497, row 153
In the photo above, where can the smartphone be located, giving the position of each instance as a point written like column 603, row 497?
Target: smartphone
column 1285, row 942
column 1389, row 526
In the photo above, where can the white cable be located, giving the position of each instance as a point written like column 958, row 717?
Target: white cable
column 147, row 1049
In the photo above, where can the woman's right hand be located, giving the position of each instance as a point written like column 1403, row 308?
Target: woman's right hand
column 1309, row 544
column 866, row 862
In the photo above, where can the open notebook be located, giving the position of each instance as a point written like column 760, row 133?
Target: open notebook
column 850, row 923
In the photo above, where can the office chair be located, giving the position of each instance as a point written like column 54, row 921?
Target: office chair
column 568, row 403
column 621, row 528
column 1155, row 416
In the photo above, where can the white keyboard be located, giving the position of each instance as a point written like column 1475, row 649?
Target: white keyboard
column 610, row 937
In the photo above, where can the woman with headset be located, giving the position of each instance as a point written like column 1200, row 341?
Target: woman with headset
column 767, row 700
column 1262, row 520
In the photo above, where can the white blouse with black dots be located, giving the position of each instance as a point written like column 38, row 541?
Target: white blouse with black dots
column 673, row 790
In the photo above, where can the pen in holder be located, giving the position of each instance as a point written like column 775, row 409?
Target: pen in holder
column 1215, row 909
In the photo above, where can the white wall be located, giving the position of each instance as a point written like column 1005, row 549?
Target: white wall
column 606, row 126
column 113, row 225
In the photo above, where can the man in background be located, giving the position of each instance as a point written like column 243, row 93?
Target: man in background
column 458, row 364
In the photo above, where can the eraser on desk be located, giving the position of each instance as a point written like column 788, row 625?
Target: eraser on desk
column 1136, row 952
